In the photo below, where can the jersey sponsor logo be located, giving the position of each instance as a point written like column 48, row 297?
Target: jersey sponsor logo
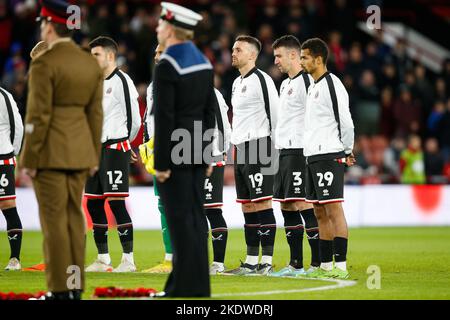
column 326, row 192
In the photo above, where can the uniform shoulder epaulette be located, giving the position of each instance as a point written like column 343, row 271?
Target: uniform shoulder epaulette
column 39, row 49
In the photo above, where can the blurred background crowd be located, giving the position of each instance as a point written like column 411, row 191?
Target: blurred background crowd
column 401, row 109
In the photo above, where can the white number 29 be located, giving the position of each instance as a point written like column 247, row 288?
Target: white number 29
column 328, row 177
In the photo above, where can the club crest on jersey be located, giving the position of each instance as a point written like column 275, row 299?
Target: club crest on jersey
column 290, row 91
column 109, row 90
column 244, row 88
column 317, row 95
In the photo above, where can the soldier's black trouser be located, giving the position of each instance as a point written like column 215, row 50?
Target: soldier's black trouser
column 182, row 196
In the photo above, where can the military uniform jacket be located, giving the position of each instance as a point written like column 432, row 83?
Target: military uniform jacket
column 185, row 103
column 64, row 118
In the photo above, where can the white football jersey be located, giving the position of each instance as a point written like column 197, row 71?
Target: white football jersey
column 119, row 93
column 329, row 126
column 253, row 96
column 291, row 122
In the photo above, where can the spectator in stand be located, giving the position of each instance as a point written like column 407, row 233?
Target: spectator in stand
column 336, row 60
column 354, row 66
column 424, row 88
column 372, row 61
column 367, row 115
column 391, row 157
column 412, row 167
column 435, row 117
column 440, row 90
column 407, row 113
column 387, row 120
column 389, row 76
column 444, row 133
column 434, row 162
column 446, row 75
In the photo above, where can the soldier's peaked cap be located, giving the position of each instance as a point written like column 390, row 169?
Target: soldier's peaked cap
column 179, row 16
column 54, row 11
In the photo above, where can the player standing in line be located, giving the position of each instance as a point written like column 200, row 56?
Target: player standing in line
column 11, row 135
column 120, row 126
column 214, row 187
column 328, row 145
column 146, row 152
column 289, row 187
column 255, row 102
column 213, row 184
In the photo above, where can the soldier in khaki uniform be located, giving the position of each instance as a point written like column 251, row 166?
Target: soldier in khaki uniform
column 62, row 144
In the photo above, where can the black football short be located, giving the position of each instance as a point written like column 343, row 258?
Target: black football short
column 253, row 182
column 111, row 179
column 325, row 181
column 214, row 188
column 289, row 182
column 7, row 182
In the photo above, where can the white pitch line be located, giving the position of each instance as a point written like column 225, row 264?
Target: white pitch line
column 338, row 284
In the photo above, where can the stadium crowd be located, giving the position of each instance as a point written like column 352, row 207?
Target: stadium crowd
column 401, row 110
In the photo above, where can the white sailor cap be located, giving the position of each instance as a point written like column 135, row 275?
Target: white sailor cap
column 179, row 16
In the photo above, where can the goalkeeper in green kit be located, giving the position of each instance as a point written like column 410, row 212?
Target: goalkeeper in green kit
column 146, row 152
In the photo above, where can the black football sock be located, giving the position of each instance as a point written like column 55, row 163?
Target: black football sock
column 251, row 228
column 124, row 224
column 219, row 233
column 96, row 208
column 312, row 233
column 267, row 231
column 14, row 231
column 293, row 226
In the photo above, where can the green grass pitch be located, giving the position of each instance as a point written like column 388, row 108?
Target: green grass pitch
column 414, row 264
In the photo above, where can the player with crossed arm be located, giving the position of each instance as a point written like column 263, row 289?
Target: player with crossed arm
column 328, row 145
column 121, row 123
column 289, row 188
column 11, row 135
column 255, row 103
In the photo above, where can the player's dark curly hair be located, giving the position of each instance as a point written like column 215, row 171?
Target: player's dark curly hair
column 317, row 48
